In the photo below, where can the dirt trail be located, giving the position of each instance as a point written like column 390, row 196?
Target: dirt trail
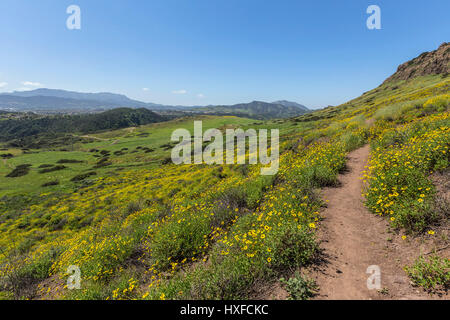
column 95, row 138
column 353, row 239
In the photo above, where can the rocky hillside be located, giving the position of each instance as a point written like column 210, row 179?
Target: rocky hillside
column 433, row 62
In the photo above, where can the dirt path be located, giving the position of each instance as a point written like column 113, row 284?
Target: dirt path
column 95, row 138
column 353, row 239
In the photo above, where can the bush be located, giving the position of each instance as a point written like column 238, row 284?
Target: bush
column 233, row 198
column 83, row 176
column 437, row 104
column 21, row 280
column 299, row 288
column 293, row 247
column 51, row 183
column 134, row 206
column 228, row 280
column 167, row 160
column 317, row 177
column 431, row 274
column 56, row 223
column 52, row 169
column 103, row 162
column 64, row 161
column 229, row 204
column 256, row 188
column 352, row 141
column 178, row 240
column 19, row 171
column 105, row 152
column 42, row 166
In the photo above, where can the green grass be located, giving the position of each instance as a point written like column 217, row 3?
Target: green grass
column 158, row 135
column 299, row 287
column 431, row 273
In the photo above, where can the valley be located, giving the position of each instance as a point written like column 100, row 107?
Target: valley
column 111, row 202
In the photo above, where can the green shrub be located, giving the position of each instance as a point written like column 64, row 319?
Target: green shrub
column 256, row 188
column 83, row 176
column 292, row 247
column 233, row 198
column 431, row 274
column 134, row 206
column 42, row 166
column 317, row 177
column 52, row 169
column 64, row 161
column 299, row 287
column 178, row 240
column 50, row 183
column 227, row 279
column 352, row 141
column 21, row 281
column 19, row 171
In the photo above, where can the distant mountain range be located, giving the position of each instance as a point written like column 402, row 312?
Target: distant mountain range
column 62, row 101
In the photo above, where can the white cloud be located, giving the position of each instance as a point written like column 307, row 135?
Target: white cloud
column 179, row 91
column 24, row 89
column 200, row 95
column 3, row 84
column 32, row 84
column 145, row 89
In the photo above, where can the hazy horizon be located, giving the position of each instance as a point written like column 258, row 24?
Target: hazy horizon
column 214, row 53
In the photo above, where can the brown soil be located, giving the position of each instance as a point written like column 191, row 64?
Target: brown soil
column 353, row 239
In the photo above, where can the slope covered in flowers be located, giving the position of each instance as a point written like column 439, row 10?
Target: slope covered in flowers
column 402, row 160
column 212, row 232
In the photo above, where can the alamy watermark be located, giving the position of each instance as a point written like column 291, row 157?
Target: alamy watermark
column 236, row 151
column 73, row 22
column 374, row 281
column 374, row 20
column 74, row 279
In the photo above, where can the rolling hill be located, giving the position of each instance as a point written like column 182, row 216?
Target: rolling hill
column 256, row 110
column 141, row 227
column 35, row 125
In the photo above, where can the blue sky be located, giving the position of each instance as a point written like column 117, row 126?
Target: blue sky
column 199, row 52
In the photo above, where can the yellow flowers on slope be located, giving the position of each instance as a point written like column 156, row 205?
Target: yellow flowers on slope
column 398, row 183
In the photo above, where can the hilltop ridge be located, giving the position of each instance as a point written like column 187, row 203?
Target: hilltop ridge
column 428, row 63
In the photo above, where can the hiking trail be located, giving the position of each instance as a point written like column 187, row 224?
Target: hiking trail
column 352, row 239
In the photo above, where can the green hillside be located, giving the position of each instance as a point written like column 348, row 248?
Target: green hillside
column 35, row 131
column 256, row 110
column 140, row 227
